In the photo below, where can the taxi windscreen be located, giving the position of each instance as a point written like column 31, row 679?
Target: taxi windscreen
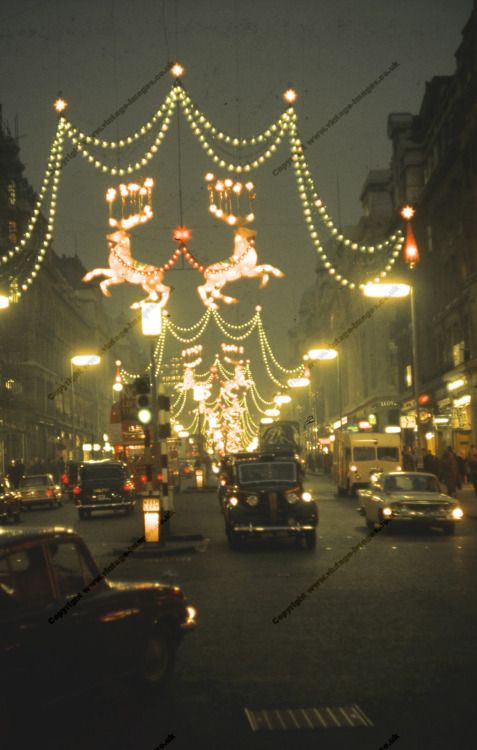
column 272, row 471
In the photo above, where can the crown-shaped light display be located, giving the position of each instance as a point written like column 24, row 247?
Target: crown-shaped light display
column 229, row 350
column 135, row 203
column 231, row 201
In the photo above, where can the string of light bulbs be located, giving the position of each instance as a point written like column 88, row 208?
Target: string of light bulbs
column 22, row 286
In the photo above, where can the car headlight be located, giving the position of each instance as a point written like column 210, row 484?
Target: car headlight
column 353, row 468
column 233, row 500
column 306, row 497
column 387, row 512
column 293, row 497
column 457, row 513
column 252, row 500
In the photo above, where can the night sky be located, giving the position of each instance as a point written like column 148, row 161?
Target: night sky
column 239, row 59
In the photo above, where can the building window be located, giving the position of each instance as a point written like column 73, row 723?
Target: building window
column 408, row 376
column 12, row 232
column 12, row 194
column 458, row 353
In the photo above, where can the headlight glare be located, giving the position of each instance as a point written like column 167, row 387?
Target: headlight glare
column 233, row 500
column 387, row 512
column 307, row 497
column 457, row 513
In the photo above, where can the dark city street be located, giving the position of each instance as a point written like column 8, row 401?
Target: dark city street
column 390, row 633
column 238, row 374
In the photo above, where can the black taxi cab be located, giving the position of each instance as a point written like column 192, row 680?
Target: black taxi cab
column 265, row 496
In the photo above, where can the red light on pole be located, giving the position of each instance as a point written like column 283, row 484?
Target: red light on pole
column 411, row 252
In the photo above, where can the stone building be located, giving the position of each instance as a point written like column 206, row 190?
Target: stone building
column 433, row 166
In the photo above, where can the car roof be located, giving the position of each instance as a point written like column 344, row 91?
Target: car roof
column 13, row 536
column 407, row 473
column 102, row 462
column 35, row 476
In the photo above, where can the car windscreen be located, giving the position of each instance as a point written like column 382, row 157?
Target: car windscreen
column 271, row 471
column 364, row 453
column 411, row 483
column 98, row 473
column 38, row 481
column 388, row 454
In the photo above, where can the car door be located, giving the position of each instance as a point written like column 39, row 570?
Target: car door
column 102, row 623
column 377, row 500
column 30, row 660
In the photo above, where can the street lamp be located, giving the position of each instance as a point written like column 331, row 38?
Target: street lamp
column 79, row 360
column 404, row 290
column 321, row 353
column 151, row 323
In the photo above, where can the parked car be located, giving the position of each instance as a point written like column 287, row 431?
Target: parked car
column 409, row 497
column 10, row 502
column 265, row 495
column 104, row 485
column 39, row 489
column 53, row 649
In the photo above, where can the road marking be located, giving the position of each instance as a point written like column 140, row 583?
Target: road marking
column 293, row 719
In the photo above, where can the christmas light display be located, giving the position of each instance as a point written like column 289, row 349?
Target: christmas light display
column 206, row 133
column 243, row 262
column 122, row 266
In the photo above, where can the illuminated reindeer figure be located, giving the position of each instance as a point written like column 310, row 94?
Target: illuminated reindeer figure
column 122, row 266
column 243, row 262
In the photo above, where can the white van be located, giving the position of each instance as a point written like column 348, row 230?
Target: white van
column 357, row 455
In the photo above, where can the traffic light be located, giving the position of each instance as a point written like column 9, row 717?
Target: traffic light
column 142, row 390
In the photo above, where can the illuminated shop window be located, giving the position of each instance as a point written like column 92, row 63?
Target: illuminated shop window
column 12, row 194
column 12, row 232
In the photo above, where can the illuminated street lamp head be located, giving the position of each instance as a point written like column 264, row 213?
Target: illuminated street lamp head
column 322, row 353
column 290, row 96
column 4, row 301
column 177, row 70
column 60, row 104
column 85, row 360
column 407, row 212
column 386, row 290
column 298, row 382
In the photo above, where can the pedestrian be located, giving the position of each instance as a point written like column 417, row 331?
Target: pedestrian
column 461, row 466
column 450, row 471
column 408, row 463
column 431, row 463
column 472, row 468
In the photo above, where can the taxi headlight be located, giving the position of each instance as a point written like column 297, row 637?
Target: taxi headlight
column 252, row 500
column 457, row 513
column 293, row 497
column 387, row 512
column 353, row 468
column 306, row 497
column 233, row 501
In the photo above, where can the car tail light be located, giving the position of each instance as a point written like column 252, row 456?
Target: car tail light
column 76, row 490
column 128, row 486
column 159, row 477
column 49, row 492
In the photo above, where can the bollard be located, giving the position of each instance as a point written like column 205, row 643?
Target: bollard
column 199, row 478
column 151, row 507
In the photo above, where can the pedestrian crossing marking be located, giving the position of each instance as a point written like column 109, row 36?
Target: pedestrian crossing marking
column 293, row 719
